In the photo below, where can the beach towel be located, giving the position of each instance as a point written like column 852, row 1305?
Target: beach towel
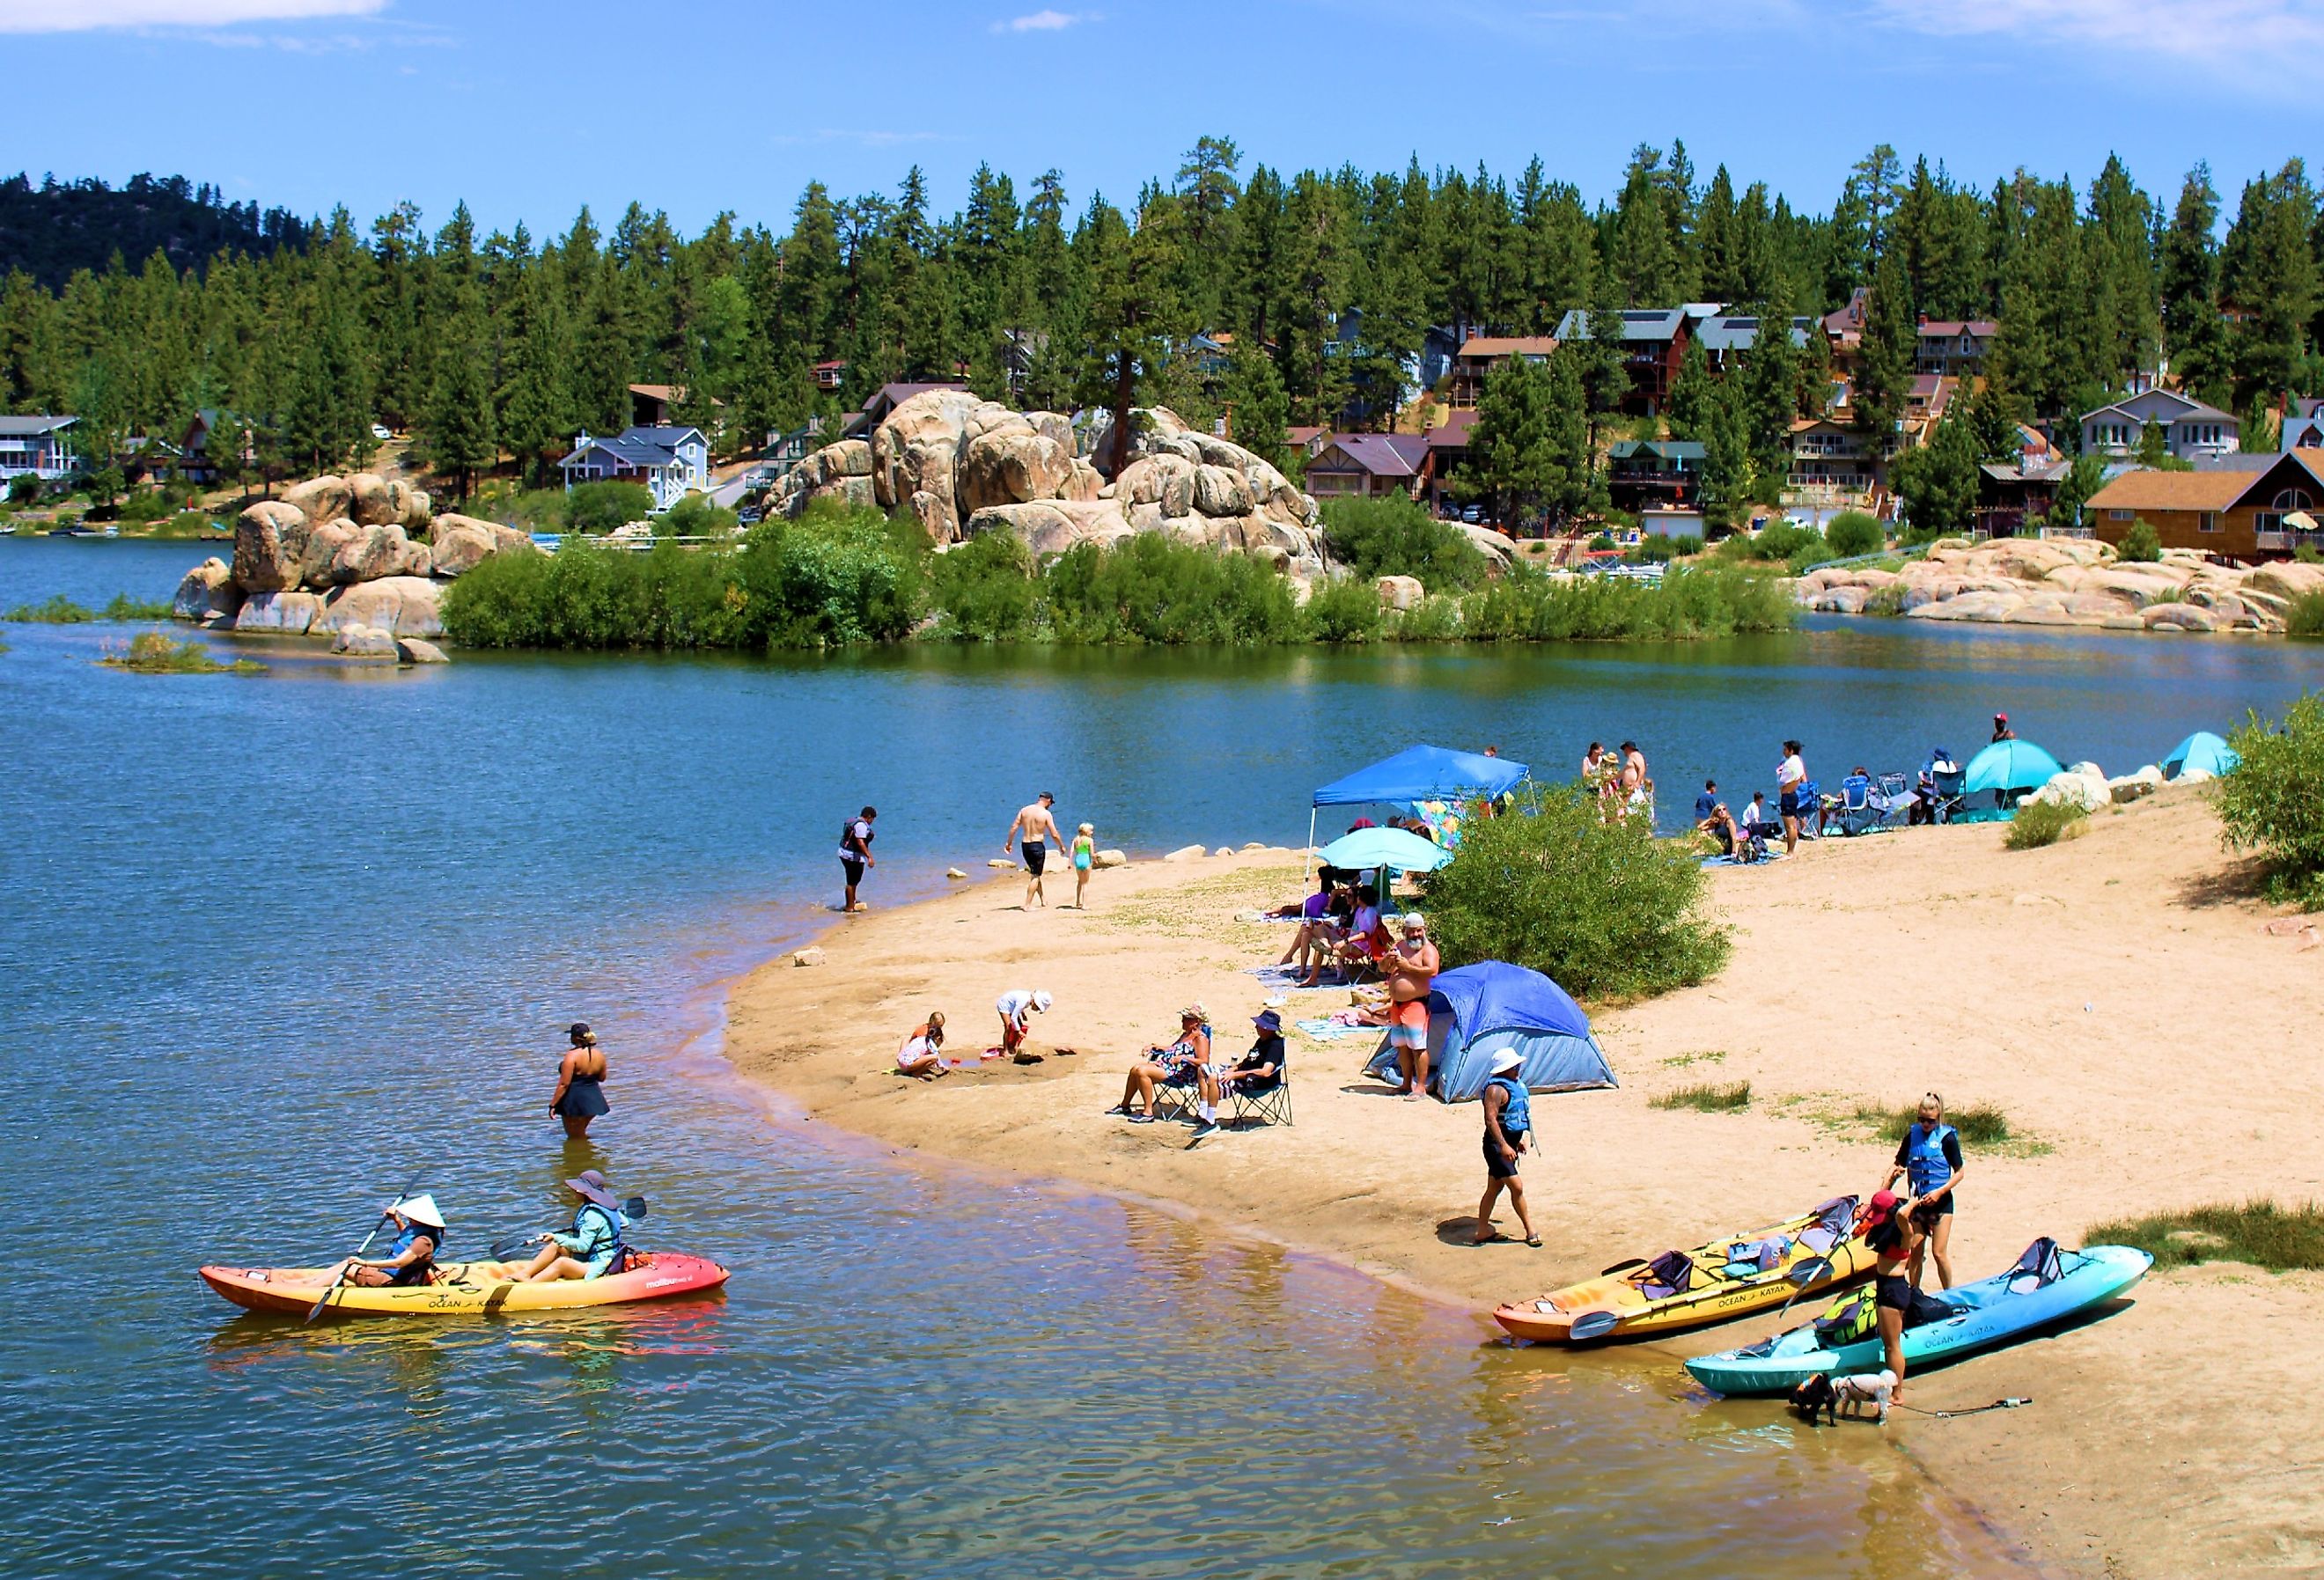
column 1324, row 1030
column 1285, row 979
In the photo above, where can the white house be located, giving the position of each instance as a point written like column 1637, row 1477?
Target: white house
column 669, row 461
column 38, row 447
column 2190, row 430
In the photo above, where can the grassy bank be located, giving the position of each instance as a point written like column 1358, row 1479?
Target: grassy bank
column 837, row 577
column 2260, row 1233
column 60, row 610
column 150, row 652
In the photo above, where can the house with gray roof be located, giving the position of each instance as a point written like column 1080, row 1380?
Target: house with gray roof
column 2191, row 429
column 37, row 447
column 1654, row 345
column 670, row 462
column 1728, row 336
column 1368, row 466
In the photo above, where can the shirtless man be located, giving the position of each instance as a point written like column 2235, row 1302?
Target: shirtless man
column 1637, row 791
column 1411, row 966
column 1033, row 832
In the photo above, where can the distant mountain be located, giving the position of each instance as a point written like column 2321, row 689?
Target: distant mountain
column 58, row 227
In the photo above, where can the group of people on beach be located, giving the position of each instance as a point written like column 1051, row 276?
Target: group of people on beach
column 1619, row 780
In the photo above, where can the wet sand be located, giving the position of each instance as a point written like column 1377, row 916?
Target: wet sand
column 2115, row 996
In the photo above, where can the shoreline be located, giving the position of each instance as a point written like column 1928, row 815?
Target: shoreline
column 2124, row 1466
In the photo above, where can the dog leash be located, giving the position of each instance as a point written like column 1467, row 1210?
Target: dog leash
column 1998, row 1404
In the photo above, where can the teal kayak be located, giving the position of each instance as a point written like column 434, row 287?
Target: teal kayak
column 2046, row 1284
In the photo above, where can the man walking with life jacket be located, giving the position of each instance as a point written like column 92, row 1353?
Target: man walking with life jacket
column 1509, row 1116
column 855, row 854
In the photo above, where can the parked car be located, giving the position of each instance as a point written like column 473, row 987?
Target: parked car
column 748, row 515
column 1473, row 516
column 379, row 431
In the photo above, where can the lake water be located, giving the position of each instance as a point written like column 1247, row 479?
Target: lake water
column 275, row 945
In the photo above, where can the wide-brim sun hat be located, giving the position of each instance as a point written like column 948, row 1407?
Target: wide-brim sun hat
column 419, row 1209
column 593, row 1186
column 1194, row 1012
column 1268, row 1020
column 1041, row 1001
column 1507, row 1060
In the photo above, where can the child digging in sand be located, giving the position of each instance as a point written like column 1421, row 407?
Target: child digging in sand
column 1085, row 858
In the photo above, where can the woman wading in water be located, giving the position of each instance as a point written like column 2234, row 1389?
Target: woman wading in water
column 580, row 1083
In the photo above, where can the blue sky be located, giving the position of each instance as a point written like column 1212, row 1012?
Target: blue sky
column 695, row 105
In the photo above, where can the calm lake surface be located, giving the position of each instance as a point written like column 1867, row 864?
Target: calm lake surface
column 274, row 946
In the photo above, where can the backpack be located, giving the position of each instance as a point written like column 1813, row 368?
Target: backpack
column 1853, row 1317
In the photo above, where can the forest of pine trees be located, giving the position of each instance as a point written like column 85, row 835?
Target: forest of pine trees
column 505, row 344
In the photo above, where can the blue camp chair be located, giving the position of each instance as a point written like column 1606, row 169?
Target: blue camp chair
column 1852, row 807
column 1951, row 782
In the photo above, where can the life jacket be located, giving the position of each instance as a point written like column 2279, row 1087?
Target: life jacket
column 1517, row 1117
column 1925, row 1157
column 420, row 1269
column 847, row 834
column 1852, row 1316
column 615, row 1220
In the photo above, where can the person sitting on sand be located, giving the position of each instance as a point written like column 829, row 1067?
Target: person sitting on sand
column 1017, row 1007
column 410, row 1256
column 1508, row 1118
column 1755, row 821
column 1858, row 784
column 1175, row 1065
column 1327, row 912
column 921, row 1057
column 591, row 1248
column 1712, row 817
column 1895, row 1241
column 1411, row 967
column 1085, row 858
column 1260, row 1070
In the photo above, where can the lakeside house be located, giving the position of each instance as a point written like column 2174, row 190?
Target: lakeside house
column 1727, row 337
column 1955, row 348
column 1368, row 465
column 2228, row 513
column 671, row 462
column 1662, row 474
column 2010, row 494
column 2191, row 430
column 1479, row 355
column 786, row 449
column 1835, row 468
column 37, row 447
column 1448, row 451
column 651, row 405
column 214, row 437
column 829, row 376
column 1653, row 347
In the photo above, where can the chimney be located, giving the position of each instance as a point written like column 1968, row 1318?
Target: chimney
column 1925, row 320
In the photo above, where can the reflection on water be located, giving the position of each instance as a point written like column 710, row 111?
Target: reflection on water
column 273, row 947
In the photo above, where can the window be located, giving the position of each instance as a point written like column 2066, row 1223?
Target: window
column 2292, row 499
column 2207, row 521
column 2122, row 515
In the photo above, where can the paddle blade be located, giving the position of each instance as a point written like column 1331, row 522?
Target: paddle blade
column 634, row 1208
column 1622, row 1267
column 503, row 1248
column 1594, row 1325
column 1812, row 1272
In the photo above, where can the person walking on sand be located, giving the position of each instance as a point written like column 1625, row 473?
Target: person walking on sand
column 1895, row 1239
column 1791, row 782
column 1508, row 1117
column 1411, row 968
column 1017, row 1007
column 1929, row 1159
column 921, row 1057
column 1033, row 832
column 1085, row 858
column 580, row 1095
column 855, row 854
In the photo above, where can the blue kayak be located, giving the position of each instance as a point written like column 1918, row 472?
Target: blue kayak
column 2047, row 1284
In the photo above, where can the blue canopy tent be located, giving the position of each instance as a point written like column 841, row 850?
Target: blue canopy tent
column 2008, row 769
column 1476, row 1011
column 1417, row 774
column 2202, row 751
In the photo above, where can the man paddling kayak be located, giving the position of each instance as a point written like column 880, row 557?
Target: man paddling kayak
column 593, row 1246
column 410, row 1256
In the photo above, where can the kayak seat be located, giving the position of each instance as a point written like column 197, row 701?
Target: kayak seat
column 1820, row 1240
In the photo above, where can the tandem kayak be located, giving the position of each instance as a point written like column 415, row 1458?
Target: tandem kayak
column 465, row 1288
column 2046, row 1284
column 1731, row 1276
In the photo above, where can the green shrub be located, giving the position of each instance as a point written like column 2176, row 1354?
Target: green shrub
column 988, row 590
column 2274, row 802
column 1601, row 542
column 1432, row 619
column 2140, row 545
column 694, row 517
column 1887, row 600
column 1395, row 537
column 2301, row 553
column 1707, row 1097
column 1345, row 610
column 1604, row 909
column 2305, row 616
column 152, row 652
column 600, row 507
column 1149, row 588
column 1852, row 532
column 2040, row 823
column 1533, row 606
column 60, row 610
column 24, row 489
column 2259, row 1233
column 1980, row 1124
column 1661, row 550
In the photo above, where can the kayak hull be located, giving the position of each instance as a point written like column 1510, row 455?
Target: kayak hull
column 1998, row 1317
column 470, row 1289
column 1551, row 1317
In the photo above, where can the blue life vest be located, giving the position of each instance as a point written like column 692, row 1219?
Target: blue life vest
column 1517, row 1115
column 1926, row 1163
column 415, row 1273
column 615, row 1220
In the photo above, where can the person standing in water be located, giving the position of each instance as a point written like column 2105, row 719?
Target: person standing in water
column 1033, row 832
column 580, row 1095
column 1929, row 1160
column 1085, row 858
column 855, row 854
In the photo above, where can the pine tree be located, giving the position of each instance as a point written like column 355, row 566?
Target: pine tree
column 1770, row 396
column 1726, row 477
column 2194, row 337
column 1937, row 483
column 2126, row 309
column 1691, row 393
column 1258, row 410
column 1530, row 450
column 2268, row 270
column 1884, row 374
column 531, row 405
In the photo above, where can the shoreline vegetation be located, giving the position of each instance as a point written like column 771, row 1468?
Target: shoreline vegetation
column 840, row 577
column 2053, row 1089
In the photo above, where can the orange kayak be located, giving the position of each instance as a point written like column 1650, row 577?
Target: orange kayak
column 465, row 1288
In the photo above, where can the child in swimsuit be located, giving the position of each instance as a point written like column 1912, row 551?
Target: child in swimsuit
column 1085, row 858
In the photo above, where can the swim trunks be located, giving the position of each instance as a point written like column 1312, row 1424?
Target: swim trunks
column 1895, row 1292
column 1407, row 1024
column 1036, row 854
column 1496, row 1165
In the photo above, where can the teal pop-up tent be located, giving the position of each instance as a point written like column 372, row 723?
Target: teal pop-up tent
column 2203, row 751
column 1476, row 1011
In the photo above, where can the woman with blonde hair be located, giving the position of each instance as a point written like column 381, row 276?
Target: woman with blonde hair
column 580, row 1095
column 1928, row 1158
column 1085, row 858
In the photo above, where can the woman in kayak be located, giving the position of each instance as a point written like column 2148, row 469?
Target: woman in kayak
column 1929, row 1159
column 1895, row 1239
column 580, row 1095
column 410, row 1256
column 591, row 1248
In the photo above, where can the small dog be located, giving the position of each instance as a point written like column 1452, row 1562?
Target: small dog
column 1828, row 1397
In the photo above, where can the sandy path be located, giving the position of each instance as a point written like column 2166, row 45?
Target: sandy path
column 2150, row 1046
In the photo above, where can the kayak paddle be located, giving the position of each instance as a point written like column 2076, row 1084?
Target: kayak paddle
column 1812, row 1271
column 317, row 1310
column 633, row 1209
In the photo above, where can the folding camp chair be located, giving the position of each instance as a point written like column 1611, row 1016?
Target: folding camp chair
column 1892, row 801
column 1269, row 1103
column 1852, row 809
column 1951, row 782
column 1175, row 1097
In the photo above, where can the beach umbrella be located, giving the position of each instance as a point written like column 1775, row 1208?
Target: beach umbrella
column 1367, row 848
column 2203, row 750
column 2011, row 765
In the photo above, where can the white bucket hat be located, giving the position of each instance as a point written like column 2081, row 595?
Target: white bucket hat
column 1041, row 1001
column 419, row 1209
column 1507, row 1061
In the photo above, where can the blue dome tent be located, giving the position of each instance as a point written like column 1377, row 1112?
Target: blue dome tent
column 1476, row 1011
column 2203, row 750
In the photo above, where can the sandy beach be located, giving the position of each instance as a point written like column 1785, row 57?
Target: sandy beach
column 2117, row 995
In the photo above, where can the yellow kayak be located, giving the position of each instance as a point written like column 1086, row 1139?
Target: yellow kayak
column 1731, row 1276
column 465, row 1288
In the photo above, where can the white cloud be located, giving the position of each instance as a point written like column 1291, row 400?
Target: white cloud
column 24, row 17
column 2215, row 32
column 1045, row 21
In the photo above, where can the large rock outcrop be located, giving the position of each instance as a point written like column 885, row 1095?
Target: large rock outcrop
column 2065, row 581
column 964, row 466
